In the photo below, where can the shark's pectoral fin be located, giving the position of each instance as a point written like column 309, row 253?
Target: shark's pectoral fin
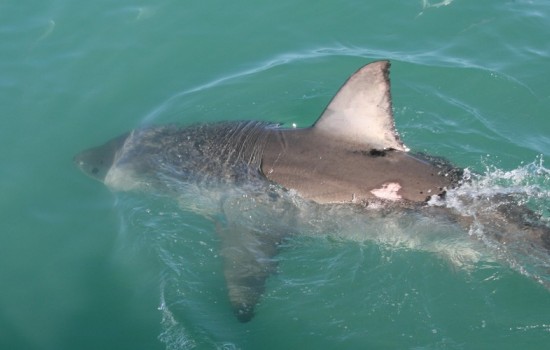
column 248, row 261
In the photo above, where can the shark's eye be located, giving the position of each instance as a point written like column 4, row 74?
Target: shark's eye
column 95, row 171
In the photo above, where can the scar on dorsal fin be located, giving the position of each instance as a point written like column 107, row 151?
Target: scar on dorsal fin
column 361, row 112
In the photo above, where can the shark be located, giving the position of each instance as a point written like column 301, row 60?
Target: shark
column 351, row 156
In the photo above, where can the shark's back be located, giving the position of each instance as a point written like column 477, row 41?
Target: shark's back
column 331, row 171
column 202, row 154
column 353, row 153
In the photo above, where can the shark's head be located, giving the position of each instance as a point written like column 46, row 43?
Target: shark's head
column 97, row 161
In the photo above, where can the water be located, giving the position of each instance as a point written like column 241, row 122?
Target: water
column 83, row 268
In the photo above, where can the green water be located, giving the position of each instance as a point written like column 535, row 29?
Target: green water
column 470, row 82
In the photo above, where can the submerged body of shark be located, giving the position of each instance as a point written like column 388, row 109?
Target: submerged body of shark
column 351, row 155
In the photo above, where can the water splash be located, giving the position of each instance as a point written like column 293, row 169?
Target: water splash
column 509, row 214
column 529, row 184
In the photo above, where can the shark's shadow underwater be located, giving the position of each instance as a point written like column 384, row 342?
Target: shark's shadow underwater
column 261, row 183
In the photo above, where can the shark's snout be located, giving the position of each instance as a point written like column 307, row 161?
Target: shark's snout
column 92, row 164
column 97, row 161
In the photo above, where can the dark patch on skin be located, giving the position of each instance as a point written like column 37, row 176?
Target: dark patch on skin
column 375, row 153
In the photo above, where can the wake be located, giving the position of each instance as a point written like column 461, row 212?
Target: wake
column 510, row 215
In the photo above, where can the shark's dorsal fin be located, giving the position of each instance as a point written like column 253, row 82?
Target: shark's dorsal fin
column 361, row 111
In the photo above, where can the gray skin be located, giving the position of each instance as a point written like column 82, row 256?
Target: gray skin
column 352, row 154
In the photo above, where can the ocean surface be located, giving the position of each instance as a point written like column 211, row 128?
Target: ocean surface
column 82, row 267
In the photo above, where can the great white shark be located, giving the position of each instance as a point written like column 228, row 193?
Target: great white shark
column 352, row 156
